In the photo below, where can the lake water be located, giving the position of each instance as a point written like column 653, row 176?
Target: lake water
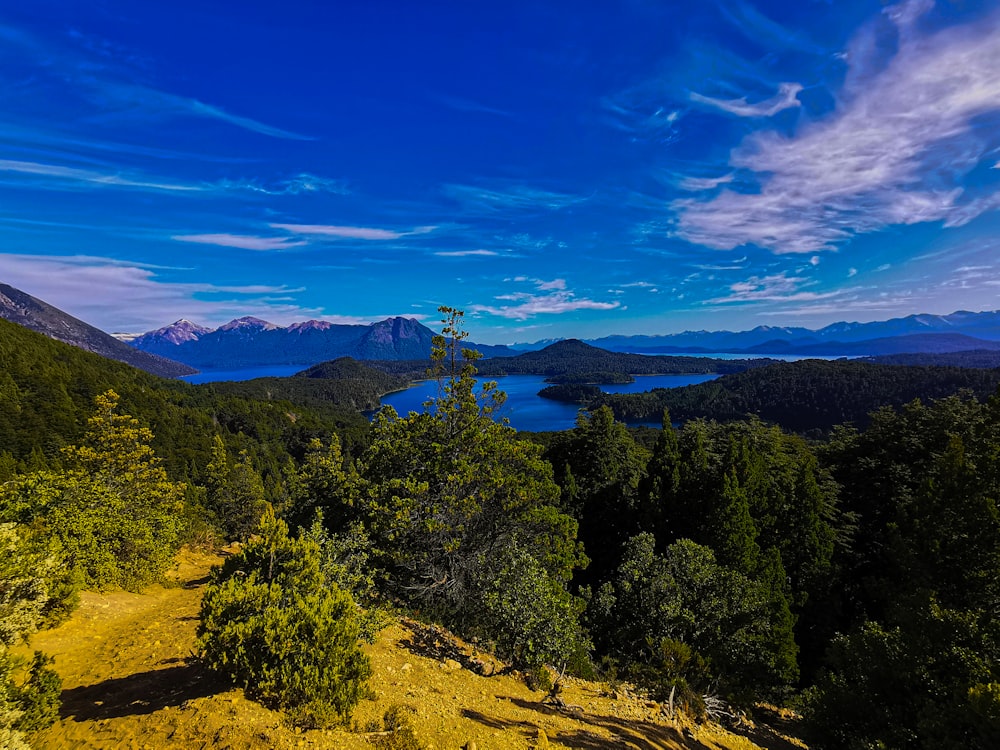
column 525, row 409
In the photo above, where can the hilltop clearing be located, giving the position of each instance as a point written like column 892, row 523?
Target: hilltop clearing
column 129, row 682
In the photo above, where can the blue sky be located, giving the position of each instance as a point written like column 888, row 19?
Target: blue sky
column 553, row 168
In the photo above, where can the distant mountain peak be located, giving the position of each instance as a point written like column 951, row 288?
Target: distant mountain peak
column 247, row 322
column 310, row 325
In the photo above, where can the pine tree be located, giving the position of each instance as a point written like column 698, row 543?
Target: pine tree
column 274, row 624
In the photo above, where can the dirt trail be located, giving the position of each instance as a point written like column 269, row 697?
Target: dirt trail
column 129, row 683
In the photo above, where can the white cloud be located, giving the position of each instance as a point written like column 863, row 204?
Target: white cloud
column 466, row 253
column 74, row 175
column 695, row 184
column 775, row 288
column 243, row 241
column 346, row 232
column 549, row 304
column 852, row 272
column 559, row 284
column 504, row 198
column 109, row 88
column 893, row 152
column 557, row 300
column 115, row 295
column 786, row 97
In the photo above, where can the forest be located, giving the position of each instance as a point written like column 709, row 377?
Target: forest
column 808, row 395
column 729, row 561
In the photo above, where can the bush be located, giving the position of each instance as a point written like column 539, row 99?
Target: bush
column 277, row 627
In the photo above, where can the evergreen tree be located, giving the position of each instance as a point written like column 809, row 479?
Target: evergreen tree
column 446, row 492
column 274, row 624
column 600, row 485
column 235, row 492
column 114, row 512
column 24, row 598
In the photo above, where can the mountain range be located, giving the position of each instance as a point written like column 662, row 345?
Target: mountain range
column 36, row 315
column 252, row 342
column 958, row 331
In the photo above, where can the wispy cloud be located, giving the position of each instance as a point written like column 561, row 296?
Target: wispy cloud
column 704, row 183
column 487, row 201
column 300, row 184
column 555, row 300
column 62, row 176
column 638, row 112
column 108, row 85
column 466, row 253
column 470, row 105
column 71, row 177
column 893, row 152
column 353, row 233
column 763, row 30
column 786, row 97
column 774, row 288
column 242, row 241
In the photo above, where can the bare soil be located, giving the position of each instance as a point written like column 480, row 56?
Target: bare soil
column 130, row 681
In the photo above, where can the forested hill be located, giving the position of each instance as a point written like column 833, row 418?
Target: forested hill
column 800, row 396
column 575, row 358
column 343, row 382
column 47, row 392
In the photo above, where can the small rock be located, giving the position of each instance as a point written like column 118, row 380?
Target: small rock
column 406, row 667
column 470, row 745
column 451, row 665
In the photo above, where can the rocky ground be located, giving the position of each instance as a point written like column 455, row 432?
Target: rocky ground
column 130, row 682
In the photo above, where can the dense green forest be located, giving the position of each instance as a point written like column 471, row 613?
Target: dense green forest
column 720, row 564
column 800, row 396
column 573, row 361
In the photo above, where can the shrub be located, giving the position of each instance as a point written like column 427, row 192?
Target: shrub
column 277, row 627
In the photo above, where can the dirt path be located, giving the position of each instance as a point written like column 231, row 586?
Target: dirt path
column 129, row 683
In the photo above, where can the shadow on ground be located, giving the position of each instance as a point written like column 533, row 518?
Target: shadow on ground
column 625, row 733
column 140, row 694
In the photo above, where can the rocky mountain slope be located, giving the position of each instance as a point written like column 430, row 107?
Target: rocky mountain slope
column 30, row 312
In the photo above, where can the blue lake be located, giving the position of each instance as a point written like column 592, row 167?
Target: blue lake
column 525, row 409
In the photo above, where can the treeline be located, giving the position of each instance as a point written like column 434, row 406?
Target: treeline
column 800, row 396
column 981, row 358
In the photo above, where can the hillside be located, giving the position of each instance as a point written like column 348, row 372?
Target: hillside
column 47, row 389
column 341, row 383
column 128, row 681
column 36, row 315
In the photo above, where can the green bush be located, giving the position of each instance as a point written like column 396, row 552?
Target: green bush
column 273, row 623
